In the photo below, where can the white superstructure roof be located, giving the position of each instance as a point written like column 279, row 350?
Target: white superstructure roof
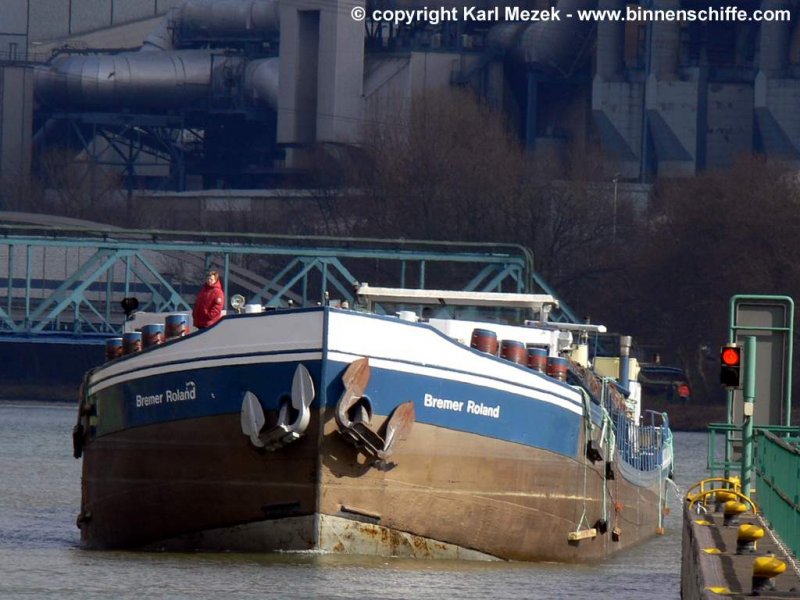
column 456, row 298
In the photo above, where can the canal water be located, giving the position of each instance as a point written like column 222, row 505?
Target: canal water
column 40, row 557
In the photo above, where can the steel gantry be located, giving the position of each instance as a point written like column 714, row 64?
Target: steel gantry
column 70, row 281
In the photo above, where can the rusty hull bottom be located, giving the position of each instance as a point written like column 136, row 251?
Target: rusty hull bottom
column 200, row 485
column 337, row 535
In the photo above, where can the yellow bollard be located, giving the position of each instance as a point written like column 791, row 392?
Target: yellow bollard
column 732, row 511
column 765, row 569
column 746, row 538
column 722, row 496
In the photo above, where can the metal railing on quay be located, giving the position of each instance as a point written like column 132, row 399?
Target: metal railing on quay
column 721, row 435
column 777, row 470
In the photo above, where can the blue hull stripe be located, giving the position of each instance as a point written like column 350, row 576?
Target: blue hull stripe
column 195, row 393
column 506, row 416
column 203, row 392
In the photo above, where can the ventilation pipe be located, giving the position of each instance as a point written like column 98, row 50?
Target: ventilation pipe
column 150, row 81
column 161, row 77
column 161, row 37
column 625, row 342
column 556, row 45
column 205, row 20
column 261, row 81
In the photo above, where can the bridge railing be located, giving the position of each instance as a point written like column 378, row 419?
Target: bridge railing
column 71, row 280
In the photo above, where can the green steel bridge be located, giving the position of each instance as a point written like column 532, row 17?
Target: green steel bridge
column 69, row 280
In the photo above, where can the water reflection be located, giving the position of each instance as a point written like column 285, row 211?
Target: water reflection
column 39, row 555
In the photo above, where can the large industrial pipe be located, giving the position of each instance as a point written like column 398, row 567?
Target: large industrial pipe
column 157, row 81
column 226, row 19
column 178, row 78
column 206, row 20
column 161, row 78
column 547, row 45
column 261, row 81
column 556, row 44
column 161, row 37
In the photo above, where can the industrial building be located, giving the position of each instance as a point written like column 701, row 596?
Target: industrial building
column 235, row 93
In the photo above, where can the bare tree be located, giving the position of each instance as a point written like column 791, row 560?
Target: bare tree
column 708, row 238
column 444, row 170
column 77, row 188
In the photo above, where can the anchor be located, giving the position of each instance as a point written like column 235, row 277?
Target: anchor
column 284, row 432
column 354, row 416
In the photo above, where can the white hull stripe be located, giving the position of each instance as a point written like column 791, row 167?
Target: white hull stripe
column 197, row 363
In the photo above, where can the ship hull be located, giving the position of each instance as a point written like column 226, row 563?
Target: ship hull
column 510, row 482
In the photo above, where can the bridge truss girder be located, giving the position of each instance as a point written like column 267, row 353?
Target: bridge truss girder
column 70, row 282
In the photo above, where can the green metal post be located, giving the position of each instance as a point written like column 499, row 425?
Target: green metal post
column 109, row 294
column 789, row 361
column 10, row 279
column 747, row 423
column 324, row 286
column 127, row 276
column 728, row 452
column 28, row 276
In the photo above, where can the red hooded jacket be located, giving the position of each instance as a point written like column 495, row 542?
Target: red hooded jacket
column 208, row 305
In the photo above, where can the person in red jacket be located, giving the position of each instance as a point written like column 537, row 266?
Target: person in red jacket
column 209, row 303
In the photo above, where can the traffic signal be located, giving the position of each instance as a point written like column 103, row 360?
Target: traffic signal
column 730, row 365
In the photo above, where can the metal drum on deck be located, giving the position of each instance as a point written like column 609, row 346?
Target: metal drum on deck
column 113, row 348
column 484, row 340
column 557, row 367
column 537, row 359
column 176, row 326
column 131, row 342
column 514, row 351
column 152, row 335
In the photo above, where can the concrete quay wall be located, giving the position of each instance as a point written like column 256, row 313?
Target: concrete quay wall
column 721, row 573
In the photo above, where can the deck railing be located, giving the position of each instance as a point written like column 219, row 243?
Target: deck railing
column 643, row 445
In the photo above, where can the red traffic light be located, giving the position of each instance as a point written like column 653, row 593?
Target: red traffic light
column 731, row 356
column 730, row 366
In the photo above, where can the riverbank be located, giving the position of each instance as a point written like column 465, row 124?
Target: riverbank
column 49, row 372
column 57, row 394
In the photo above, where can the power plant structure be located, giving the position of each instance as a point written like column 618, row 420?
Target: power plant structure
column 204, row 94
